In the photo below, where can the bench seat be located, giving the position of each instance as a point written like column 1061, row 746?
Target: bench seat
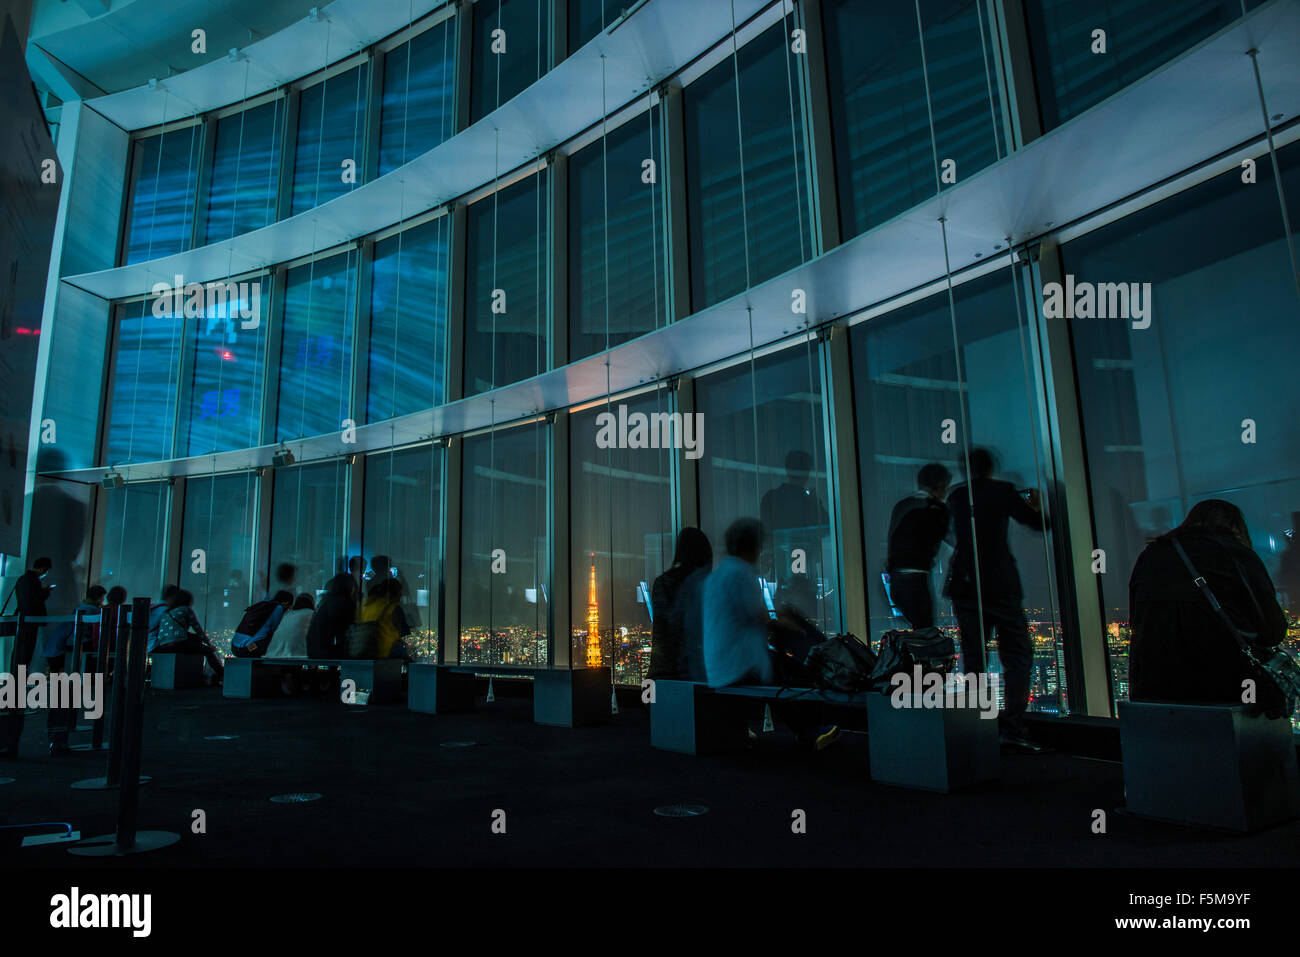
column 1213, row 765
column 562, row 697
column 260, row 677
column 173, row 671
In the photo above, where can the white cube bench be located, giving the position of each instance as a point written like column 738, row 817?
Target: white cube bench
column 171, row 672
column 1215, row 766
column 930, row 749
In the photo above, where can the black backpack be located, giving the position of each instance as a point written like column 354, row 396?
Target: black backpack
column 255, row 616
column 902, row 651
column 841, row 663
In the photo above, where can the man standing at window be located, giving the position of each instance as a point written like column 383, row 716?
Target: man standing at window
column 31, row 592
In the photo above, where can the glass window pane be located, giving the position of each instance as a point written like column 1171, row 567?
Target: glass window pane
column 1165, row 406
column 135, row 522
column 142, row 413
column 402, row 497
column 316, row 351
column 505, row 279
column 164, row 178
column 309, row 517
column 908, row 400
column 782, row 479
column 408, row 321
column 225, row 406
column 615, row 221
column 620, row 509
column 419, row 80
column 245, row 171
column 880, row 119
column 331, row 130
column 498, row 76
column 503, row 612
column 220, row 513
column 772, row 223
column 590, row 17
column 1140, row 38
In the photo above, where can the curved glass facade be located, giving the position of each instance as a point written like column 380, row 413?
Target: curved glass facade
column 536, row 540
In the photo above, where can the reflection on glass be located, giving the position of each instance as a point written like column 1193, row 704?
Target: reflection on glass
column 316, row 351
column 505, row 279
column 401, row 521
column 135, row 522
column 219, row 519
column 331, row 132
column 1164, row 407
column 620, row 502
column 504, row 591
column 615, row 223
column 746, row 237
column 498, row 74
column 408, row 321
column 784, row 484
column 225, row 406
column 160, row 205
column 245, row 171
column 880, row 118
column 309, row 517
column 142, row 412
column 419, row 80
column 1139, row 38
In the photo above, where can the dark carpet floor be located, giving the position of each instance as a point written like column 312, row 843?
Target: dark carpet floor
column 392, row 795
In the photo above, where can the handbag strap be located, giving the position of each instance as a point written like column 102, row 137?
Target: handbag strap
column 1199, row 581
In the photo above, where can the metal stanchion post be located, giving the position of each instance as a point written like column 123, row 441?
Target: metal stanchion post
column 113, row 773
column 107, row 624
column 128, row 840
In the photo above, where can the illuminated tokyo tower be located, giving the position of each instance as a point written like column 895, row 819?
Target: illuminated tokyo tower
column 593, row 620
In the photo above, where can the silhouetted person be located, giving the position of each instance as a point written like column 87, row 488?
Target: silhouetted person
column 383, row 606
column 286, row 573
column 736, row 625
column 796, row 517
column 254, row 631
column 30, row 592
column 1180, row 649
column 998, row 590
column 798, row 595
column 329, row 625
column 917, row 527
column 60, row 642
column 669, row 655
column 179, row 632
column 156, row 610
column 290, row 640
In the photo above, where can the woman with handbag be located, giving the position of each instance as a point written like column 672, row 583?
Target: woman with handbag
column 1203, row 614
column 179, row 632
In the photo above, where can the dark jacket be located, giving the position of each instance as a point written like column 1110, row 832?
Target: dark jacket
column 1180, row 650
column 996, row 504
column 917, row 527
column 667, row 636
column 329, row 625
column 31, row 594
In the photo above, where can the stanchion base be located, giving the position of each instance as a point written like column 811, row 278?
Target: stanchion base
column 106, row 844
column 101, row 784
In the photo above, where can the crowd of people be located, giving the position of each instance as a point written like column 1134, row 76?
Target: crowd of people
column 713, row 623
column 1190, row 590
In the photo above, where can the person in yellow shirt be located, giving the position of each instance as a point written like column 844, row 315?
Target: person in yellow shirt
column 383, row 606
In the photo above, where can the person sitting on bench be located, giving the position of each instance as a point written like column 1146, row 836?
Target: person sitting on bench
column 383, row 605
column 329, row 624
column 290, row 640
column 1181, row 649
column 180, row 633
column 253, row 635
column 736, row 626
column 669, row 598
